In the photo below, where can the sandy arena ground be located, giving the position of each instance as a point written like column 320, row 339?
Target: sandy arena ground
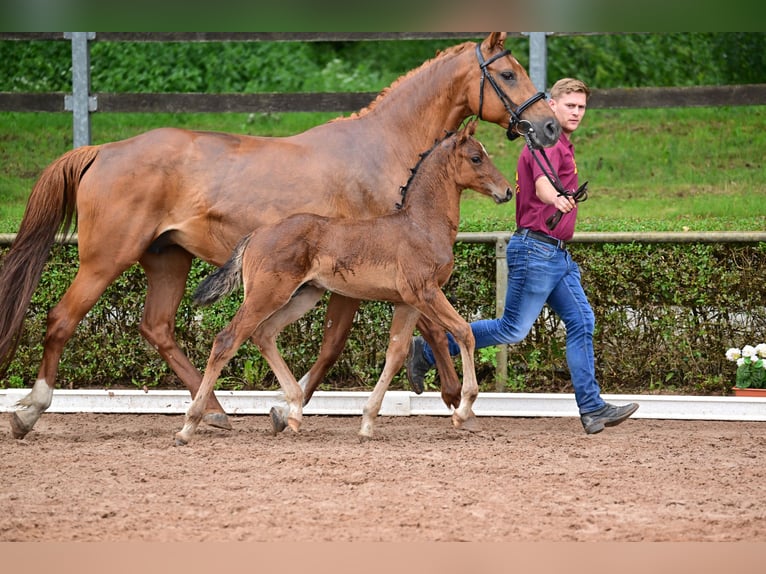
column 107, row 477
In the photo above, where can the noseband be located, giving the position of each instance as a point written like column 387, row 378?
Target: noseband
column 516, row 125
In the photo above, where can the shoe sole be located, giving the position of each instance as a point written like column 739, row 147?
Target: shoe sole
column 612, row 423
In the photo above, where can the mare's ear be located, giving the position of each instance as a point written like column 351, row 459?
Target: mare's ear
column 494, row 43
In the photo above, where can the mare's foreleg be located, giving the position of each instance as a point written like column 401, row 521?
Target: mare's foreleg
column 63, row 319
column 437, row 340
column 166, row 274
column 402, row 326
column 337, row 326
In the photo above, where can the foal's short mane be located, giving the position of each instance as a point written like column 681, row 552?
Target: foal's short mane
column 457, row 49
column 414, row 170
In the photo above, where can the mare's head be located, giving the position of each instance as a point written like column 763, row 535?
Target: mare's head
column 505, row 95
column 473, row 167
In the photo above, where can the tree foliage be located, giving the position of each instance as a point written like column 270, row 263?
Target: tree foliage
column 602, row 60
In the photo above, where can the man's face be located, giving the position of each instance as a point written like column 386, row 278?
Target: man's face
column 569, row 110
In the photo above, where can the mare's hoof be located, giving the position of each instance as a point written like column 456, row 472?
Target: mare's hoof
column 471, row 424
column 18, row 429
column 217, row 420
column 180, row 441
column 278, row 423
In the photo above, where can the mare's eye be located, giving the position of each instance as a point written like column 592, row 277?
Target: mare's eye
column 508, row 75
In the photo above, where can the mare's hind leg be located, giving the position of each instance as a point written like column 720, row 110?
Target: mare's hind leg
column 402, row 326
column 337, row 326
column 166, row 274
column 88, row 285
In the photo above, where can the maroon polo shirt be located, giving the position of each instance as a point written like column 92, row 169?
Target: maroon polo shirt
column 530, row 211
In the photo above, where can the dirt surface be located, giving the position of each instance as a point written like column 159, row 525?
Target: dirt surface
column 106, row 477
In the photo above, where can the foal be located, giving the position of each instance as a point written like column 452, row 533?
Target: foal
column 404, row 258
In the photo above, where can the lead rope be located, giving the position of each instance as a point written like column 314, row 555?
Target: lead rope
column 580, row 195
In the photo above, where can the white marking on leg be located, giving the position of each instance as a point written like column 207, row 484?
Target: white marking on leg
column 39, row 399
column 31, row 407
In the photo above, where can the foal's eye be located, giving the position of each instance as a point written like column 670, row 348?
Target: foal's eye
column 508, row 75
column 476, row 159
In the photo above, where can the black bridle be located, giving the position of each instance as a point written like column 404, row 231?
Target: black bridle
column 519, row 127
column 516, row 125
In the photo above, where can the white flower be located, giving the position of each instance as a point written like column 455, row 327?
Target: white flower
column 733, row 354
column 760, row 348
column 740, row 361
column 748, row 351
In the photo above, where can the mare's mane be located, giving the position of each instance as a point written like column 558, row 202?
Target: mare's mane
column 452, row 50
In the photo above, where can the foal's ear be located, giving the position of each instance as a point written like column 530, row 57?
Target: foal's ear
column 466, row 132
column 494, row 42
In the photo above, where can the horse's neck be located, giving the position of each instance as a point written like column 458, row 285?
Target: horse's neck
column 425, row 105
column 433, row 201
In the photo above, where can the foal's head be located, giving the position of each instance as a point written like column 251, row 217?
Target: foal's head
column 473, row 167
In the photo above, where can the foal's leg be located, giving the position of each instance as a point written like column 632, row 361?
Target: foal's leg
column 265, row 337
column 402, row 326
column 442, row 312
column 225, row 346
column 166, row 275
column 91, row 281
column 437, row 340
column 337, row 326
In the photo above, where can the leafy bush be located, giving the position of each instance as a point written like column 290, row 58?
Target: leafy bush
column 663, row 315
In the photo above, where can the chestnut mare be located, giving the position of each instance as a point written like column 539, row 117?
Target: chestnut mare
column 287, row 266
column 169, row 195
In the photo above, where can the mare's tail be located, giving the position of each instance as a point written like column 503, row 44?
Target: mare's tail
column 51, row 207
column 225, row 280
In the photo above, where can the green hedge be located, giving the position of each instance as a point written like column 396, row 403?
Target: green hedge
column 665, row 315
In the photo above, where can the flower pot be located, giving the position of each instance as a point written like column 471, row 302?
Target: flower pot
column 749, row 392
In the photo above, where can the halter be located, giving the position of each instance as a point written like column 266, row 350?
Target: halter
column 516, row 126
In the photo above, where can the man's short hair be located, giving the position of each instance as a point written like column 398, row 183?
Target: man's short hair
column 567, row 86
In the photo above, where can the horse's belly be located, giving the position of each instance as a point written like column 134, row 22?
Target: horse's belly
column 366, row 288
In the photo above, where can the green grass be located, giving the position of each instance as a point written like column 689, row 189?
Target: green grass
column 660, row 170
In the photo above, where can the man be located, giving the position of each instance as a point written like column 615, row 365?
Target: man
column 541, row 270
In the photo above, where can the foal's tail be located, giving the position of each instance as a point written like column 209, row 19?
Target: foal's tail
column 51, row 208
column 225, row 279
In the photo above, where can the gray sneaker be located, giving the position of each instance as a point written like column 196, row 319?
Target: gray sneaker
column 417, row 366
column 606, row 416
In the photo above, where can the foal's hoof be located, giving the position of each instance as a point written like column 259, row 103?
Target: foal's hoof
column 217, row 420
column 18, row 429
column 278, row 422
column 451, row 399
column 180, row 441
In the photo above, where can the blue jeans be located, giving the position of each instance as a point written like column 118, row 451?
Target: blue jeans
column 540, row 273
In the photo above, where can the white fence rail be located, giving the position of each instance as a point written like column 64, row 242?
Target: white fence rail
column 396, row 403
